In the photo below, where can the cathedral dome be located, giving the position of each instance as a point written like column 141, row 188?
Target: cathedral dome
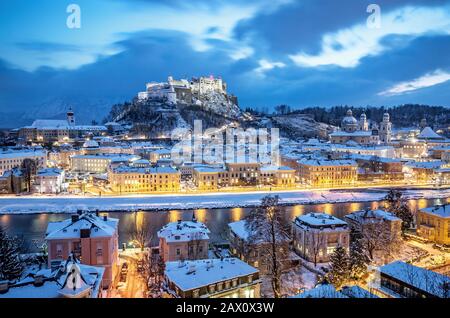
column 349, row 119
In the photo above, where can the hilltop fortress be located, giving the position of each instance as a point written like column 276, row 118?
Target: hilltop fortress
column 186, row 92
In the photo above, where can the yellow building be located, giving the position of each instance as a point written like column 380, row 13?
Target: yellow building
column 208, row 178
column 327, row 173
column 433, row 224
column 243, row 173
column 125, row 179
column 283, row 177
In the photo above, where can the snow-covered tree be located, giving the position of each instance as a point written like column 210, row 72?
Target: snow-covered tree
column 270, row 231
column 358, row 259
column 11, row 267
column 152, row 273
column 339, row 270
column 397, row 204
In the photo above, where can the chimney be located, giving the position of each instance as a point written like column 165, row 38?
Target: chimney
column 75, row 218
column 79, row 212
column 105, row 218
column 97, row 213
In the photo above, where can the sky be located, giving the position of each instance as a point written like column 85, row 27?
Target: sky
column 270, row 52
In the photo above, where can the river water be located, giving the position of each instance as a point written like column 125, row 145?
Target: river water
column 33, row 226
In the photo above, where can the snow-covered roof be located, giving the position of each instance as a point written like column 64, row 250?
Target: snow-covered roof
column 98, row 226
column 49, row 172
column 326, row 163
column 184, row 231
column 49, row 124
column 439, row 210
column 90, row 144
column 204, row 169
column 70, row 280
column 321, row 291
column 157, row 170
column 436, row 164
column 21, row 154
column 368, row 215
column 275, row 168
column 191, row 275
column 239, row 229
column 319, row 220
column 428, row 133
column 356, row 291
column 357, row 133
column 418, row 277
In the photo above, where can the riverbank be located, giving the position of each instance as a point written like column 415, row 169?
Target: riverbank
column 70, row 204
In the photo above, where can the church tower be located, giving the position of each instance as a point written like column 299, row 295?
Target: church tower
column 71, row 117
column 385, row 129
column 363, row 124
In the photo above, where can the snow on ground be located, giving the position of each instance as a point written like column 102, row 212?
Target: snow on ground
column 293, row 281
column 70, row 204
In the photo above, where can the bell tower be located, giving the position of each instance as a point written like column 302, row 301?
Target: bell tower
column 71, row 117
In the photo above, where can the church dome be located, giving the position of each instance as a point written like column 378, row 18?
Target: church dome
column 90, row 144
column 349, row 119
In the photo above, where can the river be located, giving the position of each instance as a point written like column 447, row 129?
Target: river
column 33, row 226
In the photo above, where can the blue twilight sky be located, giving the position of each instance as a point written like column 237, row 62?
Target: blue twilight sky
column 298, row 52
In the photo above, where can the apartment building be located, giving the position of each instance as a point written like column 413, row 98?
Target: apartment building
column 90, row 238
column 316, row 236
column 183, row 240
column 433, row 224
column 327, row 173
column 13, row 159
column 126, row 179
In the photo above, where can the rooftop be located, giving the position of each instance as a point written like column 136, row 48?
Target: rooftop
column 439, row 210
column 420, row 278
column 71, row 228
column 366, row 215
column 190, row 275
column 72, row 279
column 319, row 220
column 183, row 231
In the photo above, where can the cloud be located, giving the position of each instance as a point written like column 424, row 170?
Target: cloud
column 347, row 47
column 427, row 80
column 265, row 65
column 37, row 46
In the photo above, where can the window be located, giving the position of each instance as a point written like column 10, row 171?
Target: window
column 99, row 253
column 178, row 251
column 59, row 250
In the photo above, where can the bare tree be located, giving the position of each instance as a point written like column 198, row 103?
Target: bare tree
column 376, row 236
column 269, row 230
column 140, row 232
column 315, row 243
column 29, row 170
column 153, row 268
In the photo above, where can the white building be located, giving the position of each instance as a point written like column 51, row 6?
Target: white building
column 13, row 159
column 53, row 130
column 316, row 236
column 50, row 181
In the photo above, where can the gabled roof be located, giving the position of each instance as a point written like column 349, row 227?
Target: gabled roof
column 71, row 229
column 428, row 133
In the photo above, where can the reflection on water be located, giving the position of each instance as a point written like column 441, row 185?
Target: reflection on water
column 33, row 227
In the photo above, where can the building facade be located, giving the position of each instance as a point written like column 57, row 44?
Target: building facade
column 433, row 224
column 316, row 236
column 90, row 238
column 183, row 240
